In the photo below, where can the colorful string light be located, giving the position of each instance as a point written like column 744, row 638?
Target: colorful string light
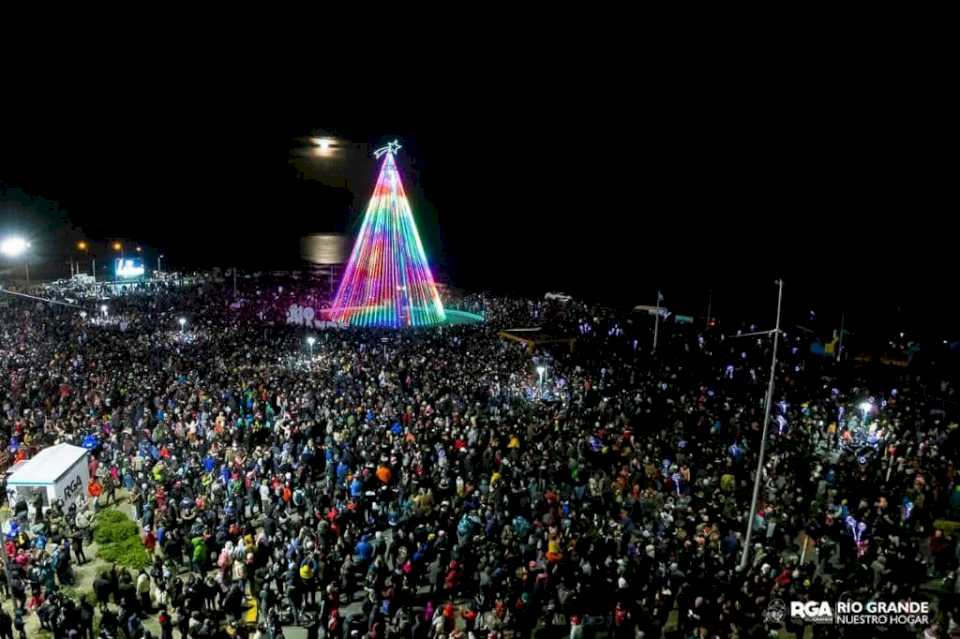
column 388, row 282
column 907, row 508
column 856, row 529
column 677, row 478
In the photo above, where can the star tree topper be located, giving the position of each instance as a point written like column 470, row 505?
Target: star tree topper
column 391, row 148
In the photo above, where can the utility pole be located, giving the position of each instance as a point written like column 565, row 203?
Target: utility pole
column 763, row 437
column 709, row 307
column 843, row 317
column 234, row 281
column 656, row 322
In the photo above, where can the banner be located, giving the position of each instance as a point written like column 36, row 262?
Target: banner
column 306, row 316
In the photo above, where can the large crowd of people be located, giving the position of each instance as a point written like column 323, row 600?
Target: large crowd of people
column 415, row 484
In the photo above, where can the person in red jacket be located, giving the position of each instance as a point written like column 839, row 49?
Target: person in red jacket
column 452, row 580
column 150, row 541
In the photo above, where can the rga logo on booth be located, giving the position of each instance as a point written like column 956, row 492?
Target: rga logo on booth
column 72, row 489
column 811, row 611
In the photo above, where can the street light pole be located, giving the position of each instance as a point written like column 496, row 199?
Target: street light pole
column 656, row 323
column 843, row 317
column 15, row 247
column 763, row 437
column 709, row 307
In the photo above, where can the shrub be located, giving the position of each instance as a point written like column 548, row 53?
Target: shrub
column 129, row 553
column 112, row 526
column 119, row 540
column 77, row 595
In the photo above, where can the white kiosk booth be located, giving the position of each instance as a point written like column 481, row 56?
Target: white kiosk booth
column 57, row 472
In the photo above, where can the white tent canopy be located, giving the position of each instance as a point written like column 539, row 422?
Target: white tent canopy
column 56, row 472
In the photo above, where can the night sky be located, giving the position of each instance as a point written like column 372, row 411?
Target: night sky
column 606, row 196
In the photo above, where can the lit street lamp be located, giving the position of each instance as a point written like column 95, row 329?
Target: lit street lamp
column 540, row 371
column 103, row 309
column 323, row 146
column 15, row 247
column 183, row 322
column 310, row 342
column 82, row 246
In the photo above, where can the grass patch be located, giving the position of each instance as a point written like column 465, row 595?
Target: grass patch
column 112, row 526
column 119, row 540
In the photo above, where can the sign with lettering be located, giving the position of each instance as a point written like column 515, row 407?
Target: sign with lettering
column 72, row 489
column 306, row 316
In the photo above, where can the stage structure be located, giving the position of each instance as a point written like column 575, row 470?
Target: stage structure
column 387, row 281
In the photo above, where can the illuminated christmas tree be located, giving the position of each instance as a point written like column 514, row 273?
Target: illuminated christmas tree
column 388, row 281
